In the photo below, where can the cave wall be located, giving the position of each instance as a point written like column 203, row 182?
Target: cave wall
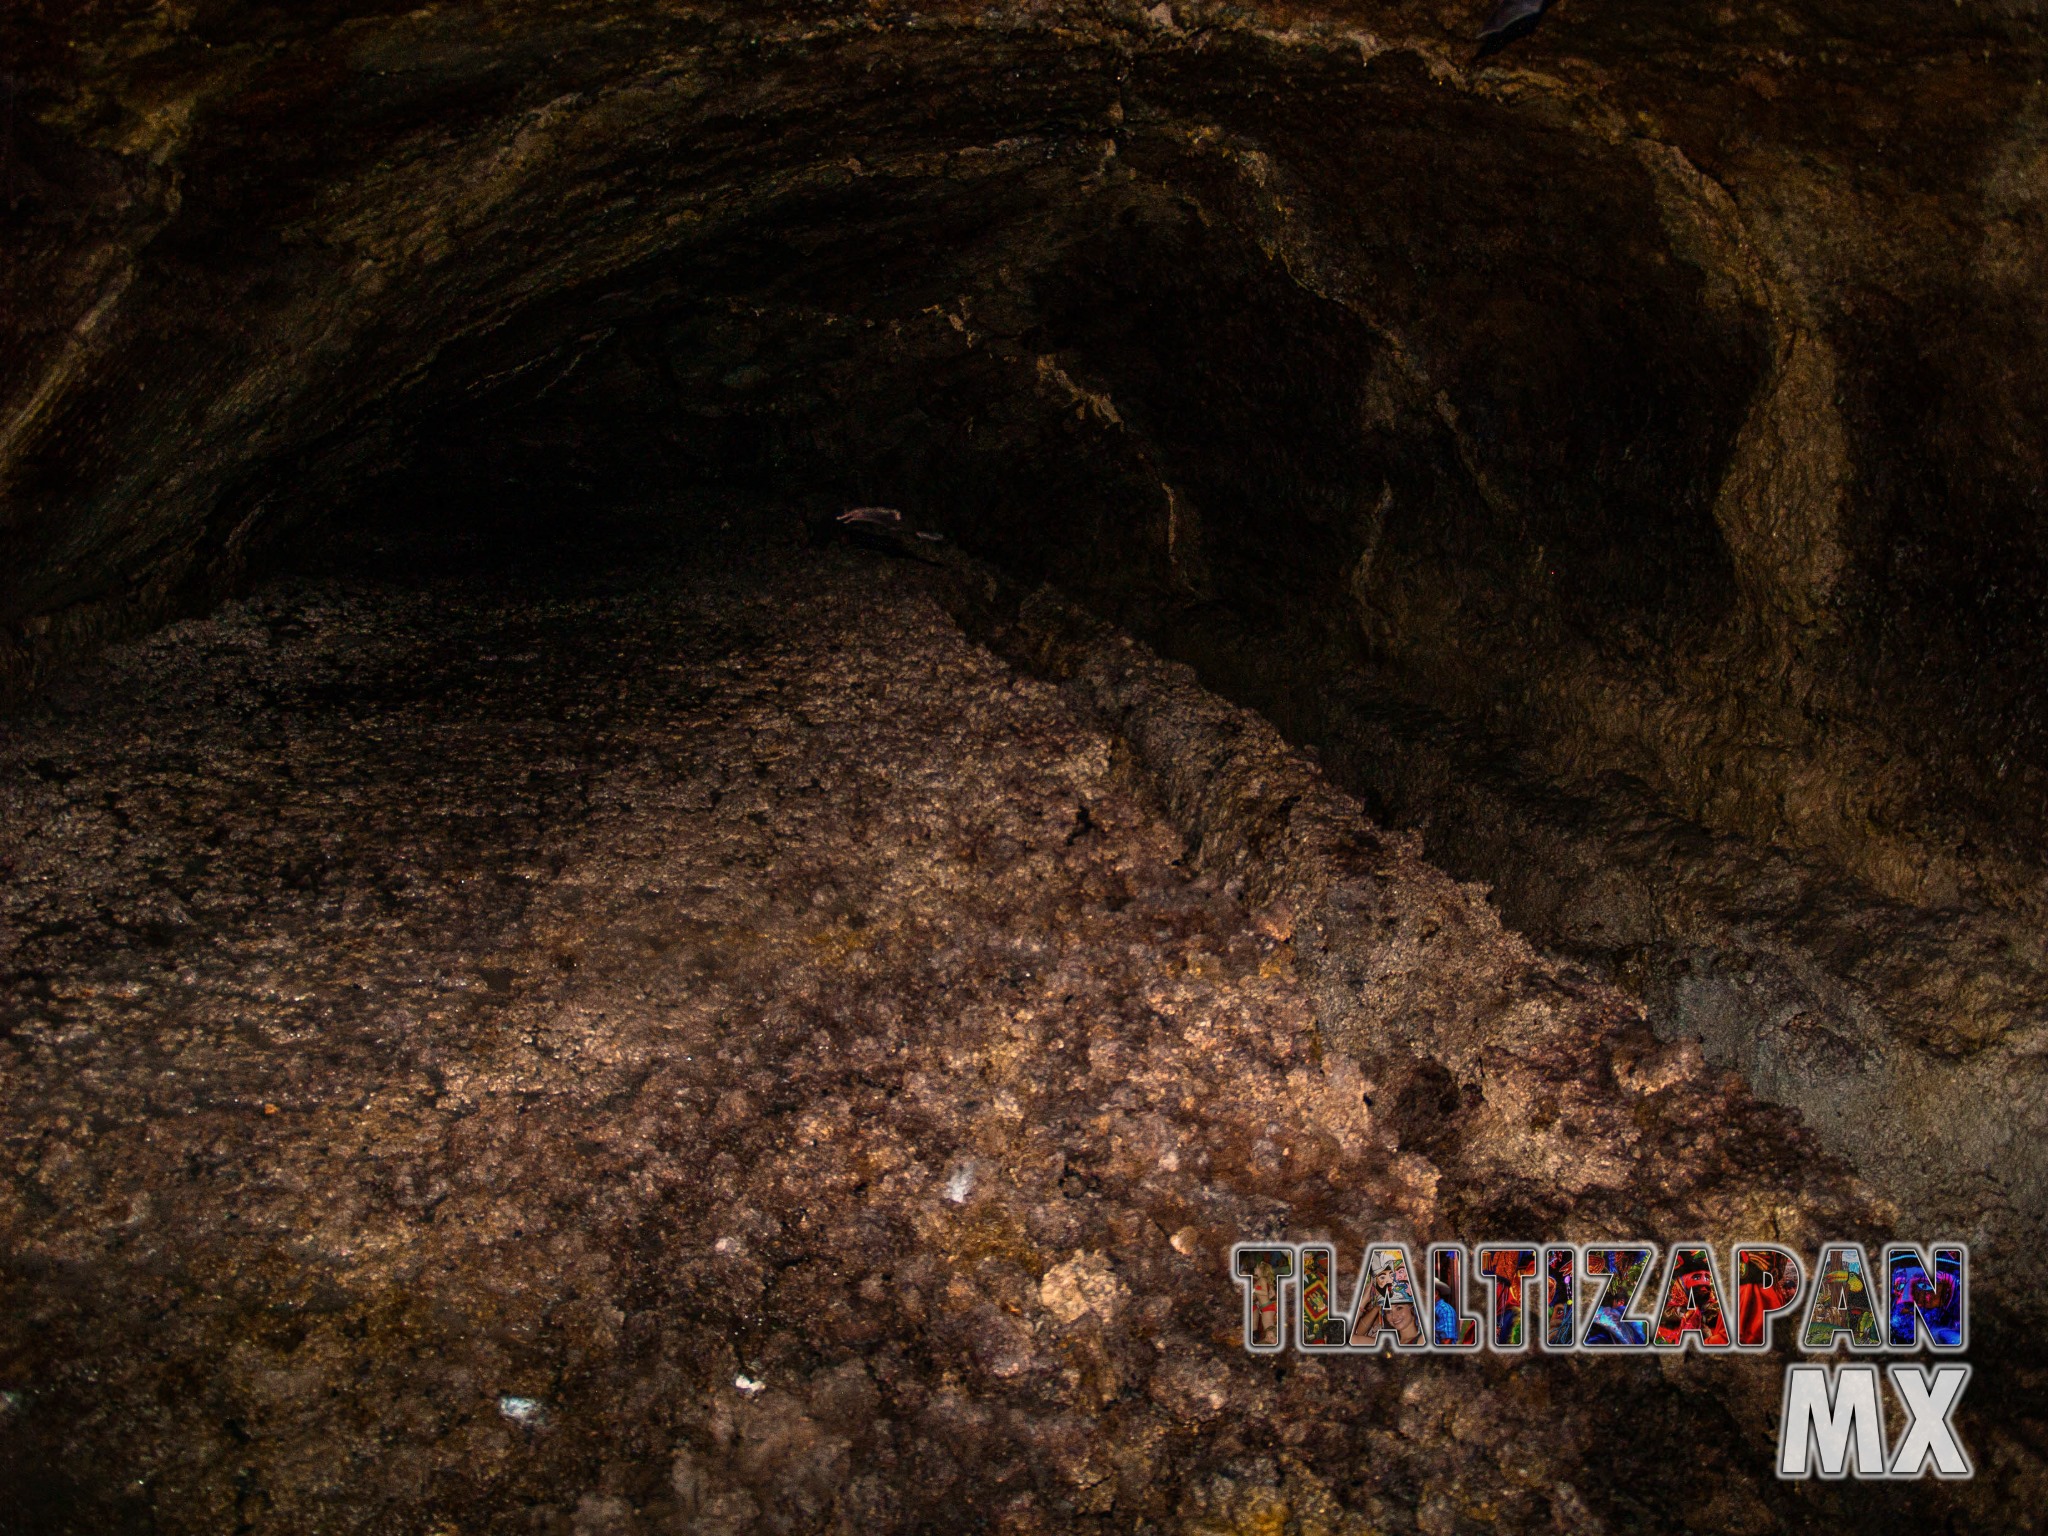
column 1666, row 392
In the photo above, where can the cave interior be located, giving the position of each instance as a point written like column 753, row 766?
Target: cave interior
column 1615, row 467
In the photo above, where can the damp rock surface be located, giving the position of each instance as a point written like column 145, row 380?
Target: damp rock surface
column 643, row 1049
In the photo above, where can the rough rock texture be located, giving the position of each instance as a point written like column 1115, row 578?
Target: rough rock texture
column 1658, row 406
column 1625, row 457
column 1702, row 344
column 631, row 1051
column 1912, row 1041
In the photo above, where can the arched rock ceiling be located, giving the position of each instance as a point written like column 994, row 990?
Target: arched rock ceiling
column 1672, row 385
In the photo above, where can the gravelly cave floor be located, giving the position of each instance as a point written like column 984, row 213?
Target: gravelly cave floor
column 646, row 1052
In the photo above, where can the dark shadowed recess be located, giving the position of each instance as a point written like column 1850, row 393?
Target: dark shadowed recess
column 1086, row 366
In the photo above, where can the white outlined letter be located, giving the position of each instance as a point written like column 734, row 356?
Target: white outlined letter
column 1930, row 1399
column 1831, row 1414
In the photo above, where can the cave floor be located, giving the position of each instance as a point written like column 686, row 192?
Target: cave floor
column 636, row 1051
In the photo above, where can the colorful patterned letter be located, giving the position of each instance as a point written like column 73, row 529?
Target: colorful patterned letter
column 1841, row 1302
column 1692, row 1301
column 1766, row 1283
column 1622, row 1273
column 1262, row 1274
column 1509, row 1268
column 1320, row 1327
column 1937, row 1295
column 1386, row 1301
column 1451, row 1326
column 1560, row 1299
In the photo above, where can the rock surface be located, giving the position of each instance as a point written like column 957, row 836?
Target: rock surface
column 620, row 1049
column 1696, row 351
column 1656, row 409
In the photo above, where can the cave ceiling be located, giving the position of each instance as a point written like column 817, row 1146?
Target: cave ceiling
column 1694, row 349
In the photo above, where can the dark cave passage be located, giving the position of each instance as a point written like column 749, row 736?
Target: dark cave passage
column 1617, row 468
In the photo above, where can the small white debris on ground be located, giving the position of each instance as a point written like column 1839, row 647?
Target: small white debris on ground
column 960, row 1183
column 748, row 1384
column 528, row 1412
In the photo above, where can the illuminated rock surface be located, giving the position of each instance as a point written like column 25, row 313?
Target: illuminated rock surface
column 1623, row 462
column 1625, row 459
column 648, row 1051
